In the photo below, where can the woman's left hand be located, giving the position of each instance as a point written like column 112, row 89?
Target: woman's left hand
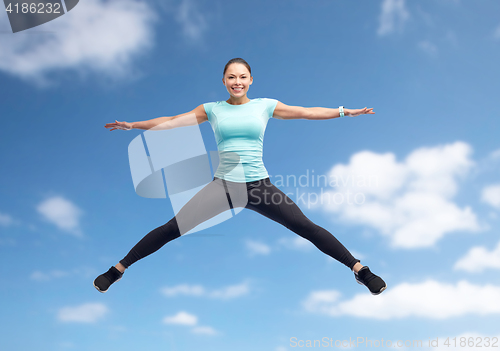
column 361, row 111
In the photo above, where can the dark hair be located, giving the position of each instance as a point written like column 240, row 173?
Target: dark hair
column 237, row 60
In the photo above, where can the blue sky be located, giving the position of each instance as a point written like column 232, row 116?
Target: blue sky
column 428, row 223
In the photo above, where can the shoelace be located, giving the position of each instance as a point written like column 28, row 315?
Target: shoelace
column 368, row 277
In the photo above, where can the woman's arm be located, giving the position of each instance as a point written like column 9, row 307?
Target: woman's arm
column 283, row 111
column 194, row 117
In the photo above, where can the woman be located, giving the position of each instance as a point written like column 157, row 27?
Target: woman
column 241, row 180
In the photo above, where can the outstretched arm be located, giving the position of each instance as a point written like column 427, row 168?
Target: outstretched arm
column 283, row 111
column 196, row 116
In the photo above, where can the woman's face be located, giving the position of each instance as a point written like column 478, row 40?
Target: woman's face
column 237, row 80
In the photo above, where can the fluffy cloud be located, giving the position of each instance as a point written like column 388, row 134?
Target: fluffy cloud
column 5, row 220
column 204, row 330
column 393, row 15
column 41, row 276
column 257, row 248
column 409, row 201
column 86, row 313
column 181, row 318
column 478, row 259
column 429, row 299
column 428, row 47
column 491, row 195
column 192, row 21
column 63, row 213
column 495, row 155
column 292, row 242
column 184, row 289
column 96, row 35
column 296, row 243
column 496, row 33
column 187, row 319
column 225, row 293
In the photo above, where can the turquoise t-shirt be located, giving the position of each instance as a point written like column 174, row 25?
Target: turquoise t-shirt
column 239, row 133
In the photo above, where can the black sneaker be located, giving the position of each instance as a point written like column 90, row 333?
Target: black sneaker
column 373, row 282
column 104, row 281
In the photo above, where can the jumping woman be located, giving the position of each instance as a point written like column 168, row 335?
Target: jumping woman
column 239, row 124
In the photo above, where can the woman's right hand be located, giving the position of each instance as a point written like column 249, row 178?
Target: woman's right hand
column 119, row 125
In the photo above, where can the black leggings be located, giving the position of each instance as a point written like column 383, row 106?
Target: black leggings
column 260, row 196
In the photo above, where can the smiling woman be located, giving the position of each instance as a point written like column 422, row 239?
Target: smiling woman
column 241, row 180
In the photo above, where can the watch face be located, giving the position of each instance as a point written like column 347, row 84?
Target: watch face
column 24, row 15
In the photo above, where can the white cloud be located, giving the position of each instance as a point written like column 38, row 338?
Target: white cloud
column 45, row 276
column 478, row 259
column 41, row 276
column 97, row 35
column 428, row 47
column 181, row 318
column 451, row 38
column 188, row 319
column 257, row 248
column 393, row 14
column 231, row 291
column 192, row 21
column 225, row 293
column 204, row 330
column 63, row 213
column 184, row 289
column 491, row 195
column 429, row 299
column 495, row 154
column 496, row 33
column 86, row 313
column 5, row 220
column 296, row 243
column 409, row 201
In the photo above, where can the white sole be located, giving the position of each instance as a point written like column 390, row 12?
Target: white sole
column 377, row 293
column 385, row 287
